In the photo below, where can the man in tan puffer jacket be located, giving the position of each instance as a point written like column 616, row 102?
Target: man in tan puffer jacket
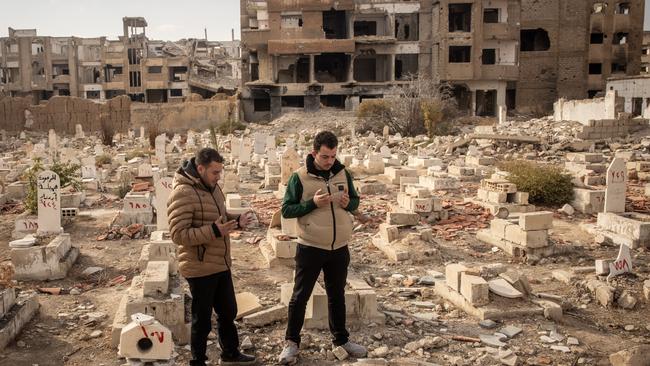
column 200, row 226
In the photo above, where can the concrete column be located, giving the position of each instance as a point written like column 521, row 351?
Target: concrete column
column 391, row 67
column 312, row 69
column 473, row 103
column 350, row 78
column 275, row 68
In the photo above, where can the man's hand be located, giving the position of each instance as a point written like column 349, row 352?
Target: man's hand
column 226, row 228
column 344, row 200
column 322, row 199
column 246, row 219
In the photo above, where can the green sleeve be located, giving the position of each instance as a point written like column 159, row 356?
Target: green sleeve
column 352, row 192
column 292, row 207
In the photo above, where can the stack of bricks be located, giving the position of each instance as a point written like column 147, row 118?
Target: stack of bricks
column 497, row 192
column 418, row 199
column 524, row 235
column 588, row 168
column 609, row 128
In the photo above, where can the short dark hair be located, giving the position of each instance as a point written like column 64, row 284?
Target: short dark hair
column 207, row 155
column 325, row 138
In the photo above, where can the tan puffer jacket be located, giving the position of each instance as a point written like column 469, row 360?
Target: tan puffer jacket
column 192, row 209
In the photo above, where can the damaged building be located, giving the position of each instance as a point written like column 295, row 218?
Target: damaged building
column 98, row 68
column 497, row 55
column 645, row 54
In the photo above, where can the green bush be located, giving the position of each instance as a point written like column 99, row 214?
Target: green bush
column 545, row 184
column 68, row 175
column 228, row 127
column 103, row 160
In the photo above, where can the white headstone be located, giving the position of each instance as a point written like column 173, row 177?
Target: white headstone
column 289, row 163
column 259, row 146
column 385, row 152
column 160, row 148
column 246, row 150
column 272, row 155
column 163, row 190
column 386, row 132
column 270, row 142
column 49, row 202
column 51, row 141
column 99, row 149
column 616, row 186
column 22, row 135
column 622, row 264
column 88, row 168
column 78, row 132
column 144, row 170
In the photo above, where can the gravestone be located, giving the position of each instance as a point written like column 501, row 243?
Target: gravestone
column 385, row 152
column 51, row 141
column 163, row 190
column 99, row 149
column 144, row 170
column 622, row 264
column 289, row 163
column 386, row 132
column 79, row 132
column 160, row 148
column 246, row 150
column 259, row 145
column 272, row 156
column 270, row 142
column 88, row 169
column 49, row 202
column 616, row 186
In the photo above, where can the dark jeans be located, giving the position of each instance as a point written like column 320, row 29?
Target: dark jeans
column 213, row 292
column 309, row 262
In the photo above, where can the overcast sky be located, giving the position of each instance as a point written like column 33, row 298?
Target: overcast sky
column 168, row 20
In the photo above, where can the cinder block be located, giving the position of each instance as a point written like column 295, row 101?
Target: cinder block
column 453, row 273
column 531, row 238
column 402, row 218
column 497, row 197
column 156, row 278
column 474, row 289
column 536, row 220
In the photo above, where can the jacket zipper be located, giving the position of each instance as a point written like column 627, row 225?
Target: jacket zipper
column 327, row 183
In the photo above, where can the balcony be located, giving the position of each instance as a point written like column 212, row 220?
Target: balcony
column 500, row 31
column 255, row 37
column 61, row 79
column 621, row 23
column 319, row 46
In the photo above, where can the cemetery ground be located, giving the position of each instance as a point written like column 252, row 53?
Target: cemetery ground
column 565, row 319
column 62, row 334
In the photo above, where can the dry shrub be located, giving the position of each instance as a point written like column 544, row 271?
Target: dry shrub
column 545, row 184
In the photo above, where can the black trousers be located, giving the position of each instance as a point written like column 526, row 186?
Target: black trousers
column 213, row 292
column 309, row 262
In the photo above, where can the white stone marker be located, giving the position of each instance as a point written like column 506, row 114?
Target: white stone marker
column 246, row 150
column 259, row 146
column 160, row 149
column 51, row 141
column 49, row 202
column 616, row 186
column 144, row 170
column 622, row 264
column 289, row 163
column 88, row 169
column 78, row 132
column 163, row 190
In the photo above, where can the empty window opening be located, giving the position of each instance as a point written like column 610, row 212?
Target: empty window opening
column 460, row 17
column 37, row 48
column 110, row 94
column 335, row 24
column 458, row 54
column 489, row 56
column 599, row 8
column 486, row 103
column 111, row 72
column 154, row 69
column 619, row 68
column 293, row 102
column 60, row 69
column 645, row 69
column 597, row 38
column 291, row 20
column 637, row 106
column 406, row 66
column 535, row 40
column 511, row 96
column 178, row 73
column 331, row 67
column 137, row 97
column 645, row 51
column 365, row 28
column 254, row 66
column 175, row 92
column 365, row 69
column 134, row 55
column 491, row 15
column 620, row 38
column 623, row 8
column 334, row 101
column 593, row 93
column 135, row 80
column 157, row 96
column 595, row 69
column 92, row 94
column 64, row 92
column 406, row 27
column 37, row 69
column 262, row 104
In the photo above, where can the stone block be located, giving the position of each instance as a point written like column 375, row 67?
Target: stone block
column 498, row 227
column 247, row 303
column 588, row 201
column 395, row 172
column 370, row 187
column 44, row 262
column 646, row 289
column 402, row 218
column 635, row 226
column 530, row 239
column 453, row 274
column 7, row 300
column 156, row 278
column 602, row 266
column 17, row 318
column 474, row 289
column 388, row 232
column 536, row 220
column 233, row 200
column 282, row 248
column 267, row 316
column 497, row 197
column 159, row 344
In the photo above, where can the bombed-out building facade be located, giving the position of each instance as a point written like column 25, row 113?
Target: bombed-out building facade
column 496, row 55
column 99, row 68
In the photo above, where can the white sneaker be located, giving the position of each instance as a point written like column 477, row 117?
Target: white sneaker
column 289, row 354
column 355, row 350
